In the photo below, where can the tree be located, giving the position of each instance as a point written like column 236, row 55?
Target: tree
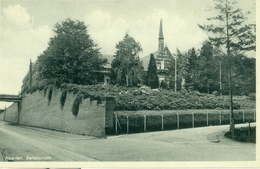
column 152, row 77
column 233, row 34
column 244, row 81
column 71, row 56
column 181, row 60
column 126, row 66
column 192, row 69
column 208, row 69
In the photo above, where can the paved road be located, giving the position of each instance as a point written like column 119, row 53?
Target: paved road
column 21, row 143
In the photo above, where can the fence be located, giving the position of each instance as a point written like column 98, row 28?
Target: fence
column 137, row 123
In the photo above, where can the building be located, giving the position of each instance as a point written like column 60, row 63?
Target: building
column 163, row 57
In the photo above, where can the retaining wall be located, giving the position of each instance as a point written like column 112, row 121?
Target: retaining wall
column 35, row 111
column 12, row 112
column 2, row 116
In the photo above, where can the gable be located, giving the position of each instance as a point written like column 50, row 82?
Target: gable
column 165, row 55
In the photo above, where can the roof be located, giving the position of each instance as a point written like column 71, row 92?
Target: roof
column 146, row 59
column 109, row 60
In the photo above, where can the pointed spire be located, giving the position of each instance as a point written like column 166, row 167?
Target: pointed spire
column 160, row 39
column 161, row 31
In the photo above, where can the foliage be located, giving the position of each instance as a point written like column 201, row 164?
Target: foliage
column 140, row 99
column 163, row 84
column 152, row 77
column 76, row 104
column 126, row 66
column 145, row 98
column 208, row 69
column 243, row 134
column 252, row 96
column 232, row 33
column 154, row 119
column 192, row 70
column 71, row 55
column 232, row 30
column 244, row 78
column 215, row 93
column 181, row 68
column 63, row 98
column 50, row 94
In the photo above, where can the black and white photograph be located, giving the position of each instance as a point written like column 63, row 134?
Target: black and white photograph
column 140, row 83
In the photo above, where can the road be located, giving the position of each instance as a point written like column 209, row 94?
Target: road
column 22, row 143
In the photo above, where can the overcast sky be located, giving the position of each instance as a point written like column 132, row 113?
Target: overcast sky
column 26, row 27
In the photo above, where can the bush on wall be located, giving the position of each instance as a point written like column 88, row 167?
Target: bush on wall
column 144, row 98
column 76, row 104
column 63, row 98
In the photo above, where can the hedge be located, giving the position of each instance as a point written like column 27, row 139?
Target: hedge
column 154, row 119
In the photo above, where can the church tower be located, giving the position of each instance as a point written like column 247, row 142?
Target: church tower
column 161, row 38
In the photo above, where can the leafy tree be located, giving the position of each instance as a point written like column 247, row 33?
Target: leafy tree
column 152, row 77
column 181, row 60
column 244, row 81
column 71, row 56
column 192, row 69
column 233, row 34
column 208, row 70
column 163, row 84
column 126, row 66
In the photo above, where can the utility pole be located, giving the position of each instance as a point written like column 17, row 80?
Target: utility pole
column 175, row 74
column 220, row 83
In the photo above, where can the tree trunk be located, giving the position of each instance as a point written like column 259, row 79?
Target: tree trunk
column 232, row 121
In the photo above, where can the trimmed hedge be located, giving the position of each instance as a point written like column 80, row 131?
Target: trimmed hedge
column 154, row 119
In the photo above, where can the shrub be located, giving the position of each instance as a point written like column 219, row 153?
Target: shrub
column 244, row 134
column 215, row 93
column 50, row 95
column 76, row 103
column 45, row 90
column 157, row 108
column 63, row 98
column 252, row 96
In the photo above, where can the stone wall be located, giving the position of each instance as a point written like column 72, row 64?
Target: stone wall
column 11, row 113
column 35, row 111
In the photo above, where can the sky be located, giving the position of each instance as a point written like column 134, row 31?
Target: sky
column 27, row 26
